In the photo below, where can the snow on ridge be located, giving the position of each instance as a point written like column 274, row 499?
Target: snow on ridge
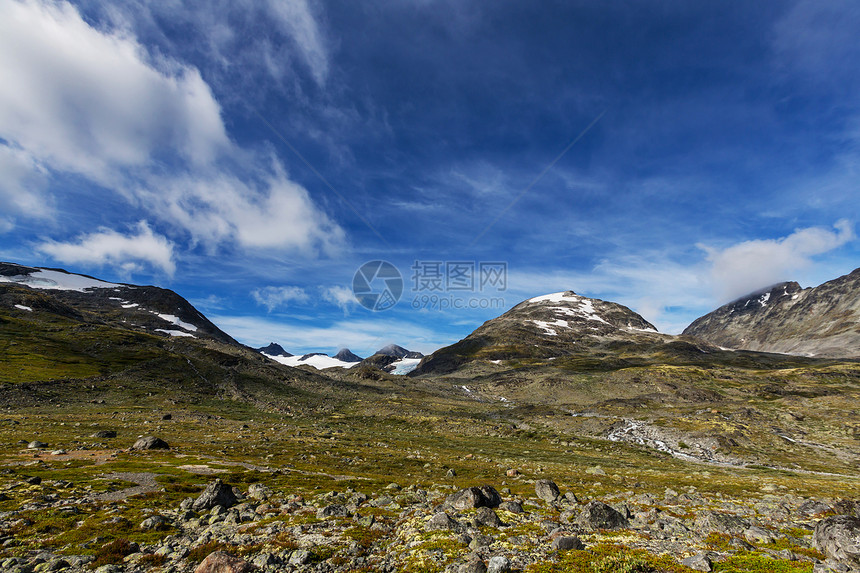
column 175, row 320
column 318, row 361
column 405, row 365
column 55, row 280
column 174, row 332
column 555, row 297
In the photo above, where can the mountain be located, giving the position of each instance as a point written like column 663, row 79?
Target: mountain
column 823, row 321
column 346, row 355
column 142, row 308
column 398, row 352
column 546, row 327
column 273, row 349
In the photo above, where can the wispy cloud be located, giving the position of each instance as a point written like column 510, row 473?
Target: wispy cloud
column 750, row 265
column 128, row 252
column 341, row 296
column 277, row 297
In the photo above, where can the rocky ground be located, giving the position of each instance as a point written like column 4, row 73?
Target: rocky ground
column 402, row 527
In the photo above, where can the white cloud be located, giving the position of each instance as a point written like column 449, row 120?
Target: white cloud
column 274, row 297
column 297, row 20
column 340, row 296
column 22, row 184
column 75, row 99
column 750, row 265
column 255, row 212
column 88, row 101
column 108, row 247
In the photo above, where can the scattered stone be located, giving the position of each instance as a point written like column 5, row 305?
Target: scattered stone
column 300, row 557
column 598, row 515
column 512, row 506
column 215, row 494
column 442, row 521
column 36, row 445
column 473, row 566
column 567, row 542
column 259, row 491
column 473, row 497
column 812, row 508
column 487, row 517
column 699, row 562
column 150, row 443
column 33, row 480
column 167, row 417
column 838, row 537
column 334, row 510
column 512, row 473
column 222, row 562
column 546, row 490
column 499, row 564
column 708, row 521
column 104, row 434
column 154, row 522
column 756, row 534
column 451, row 473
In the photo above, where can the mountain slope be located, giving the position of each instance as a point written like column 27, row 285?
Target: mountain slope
column 823, row 321
column 547, row 327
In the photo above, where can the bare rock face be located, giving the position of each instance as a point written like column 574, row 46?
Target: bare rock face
column 838, row 537
column 216, row 493
column 221, row 562
column 150, row 443
column 785, row 318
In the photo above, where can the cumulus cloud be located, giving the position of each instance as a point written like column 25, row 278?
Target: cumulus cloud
column 750, row 265
column 273, row 297
column 108, row 247
column 76, row 99
column 88, row 101
column 255, row 212
column 341, row 296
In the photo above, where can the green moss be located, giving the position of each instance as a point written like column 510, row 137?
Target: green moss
column 746, row 562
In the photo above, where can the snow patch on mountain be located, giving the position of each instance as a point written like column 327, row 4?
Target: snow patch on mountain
column 175, row 320
column 318, row 361
column 405, row 366
column 56, row 280
column 22, row 307
column 174, row 332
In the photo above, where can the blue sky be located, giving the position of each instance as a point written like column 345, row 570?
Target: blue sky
column 252, row 155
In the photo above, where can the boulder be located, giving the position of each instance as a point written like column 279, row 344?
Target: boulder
column 499, row 564
column 512, row 506
column 221, row 562
column 838, row 537
column 567, row 542
column 598, row 515
column 442, row 521
column 36, row 445
column 487, row 517
column 547, row 490
column 698, row 562
column 708, row 521
column 150, row 443
column 473, row 497
column 104, row 434
column 473, row 566
column 215, row 494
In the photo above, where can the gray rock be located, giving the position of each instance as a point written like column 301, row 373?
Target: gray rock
column 259, row 491
column 473, row 497
column 473, row 566
column 150, row 443
column 36, row 445
column 104, row 434
column 598, row 515
column 567, row 542
column 546, row 489
column 154, row 522
column 512, row 506
column 756, row 534
column 499, row 564
column 487, row 517
column 300, row 557
column 334, row 510
column 699, row 562
column 838, row 537
column 442, row 521
column 215, row 494
column 813, row 507
column 708, row 521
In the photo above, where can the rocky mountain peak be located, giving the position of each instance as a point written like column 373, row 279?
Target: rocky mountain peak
column 346, row 355
column 398, row 352
column 274, row 349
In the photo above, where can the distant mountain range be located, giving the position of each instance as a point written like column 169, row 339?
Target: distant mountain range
column 390, row 358
column 823, row 321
